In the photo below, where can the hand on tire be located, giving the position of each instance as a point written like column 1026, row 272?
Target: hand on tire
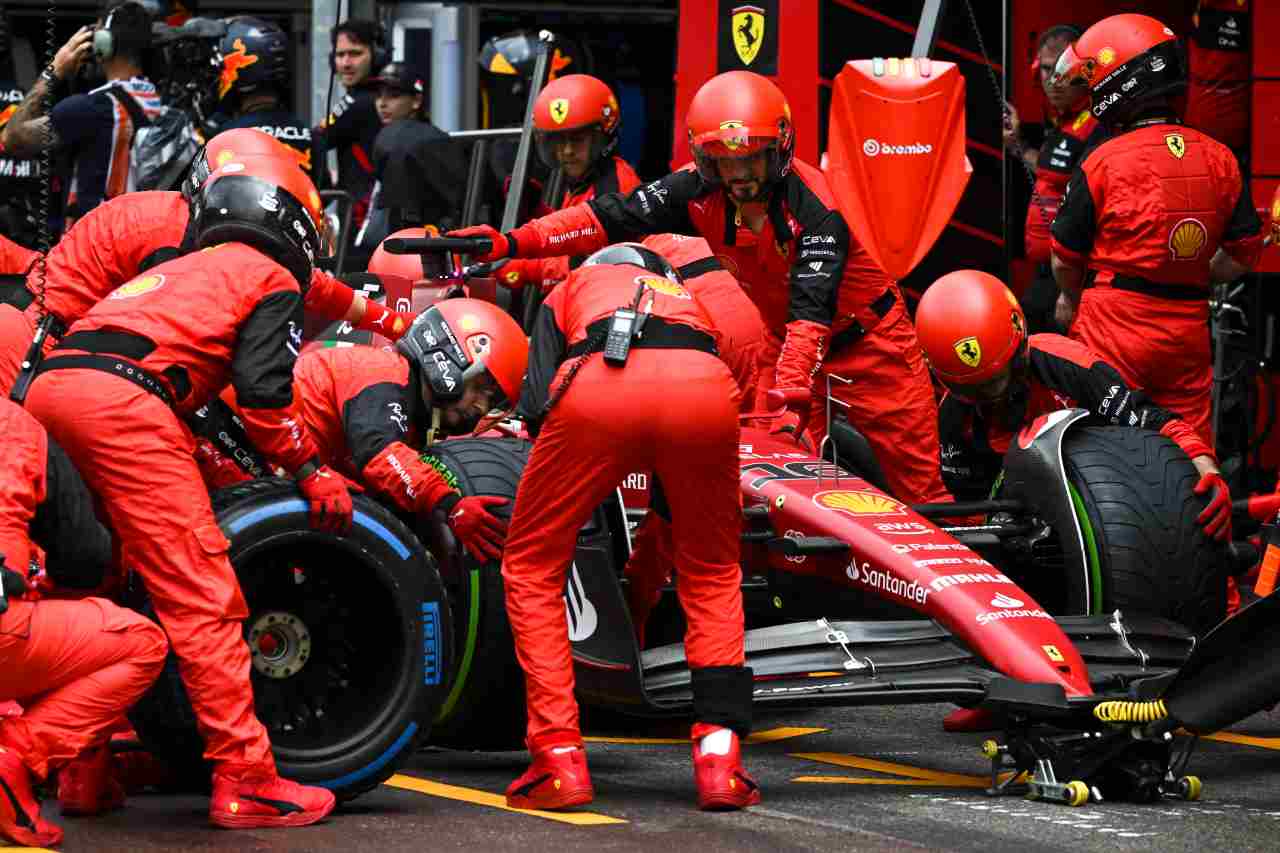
column 480, row 532
column 330, row 500
column 1216, row 517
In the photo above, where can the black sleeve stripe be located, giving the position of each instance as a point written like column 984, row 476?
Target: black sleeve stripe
column 1076, row 224
column 658, row 207
column 375, row 418
column 547, row 349
column 1244, row 220
column 266, row 348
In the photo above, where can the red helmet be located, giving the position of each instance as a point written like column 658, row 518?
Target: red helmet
column 573, row 102
column 456, row 339
column 266, row 202
column 970, row 327
column 737, row 114
column 226, row 146
column 383, row 262
column 1129, row 62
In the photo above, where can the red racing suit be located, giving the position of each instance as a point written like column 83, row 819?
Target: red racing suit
column 15, row 259
column 113, row 394
column 364, row 411
column 828, row 308
column 673, row 409
column 1146, row 212
column 1057, row 373
column 1220, row 73
column 615, row 176
column 76, row 666
column 108, row 246
column 1064, row 144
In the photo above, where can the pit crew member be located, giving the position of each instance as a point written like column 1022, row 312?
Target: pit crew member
column 1154, row 214
column 112, row 394
column 671, row 407
column 772, row 222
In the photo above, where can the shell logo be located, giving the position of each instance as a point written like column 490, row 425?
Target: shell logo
column 1081, row 119
column 1275, row 209
column 1106, row 56
column 223, row 158
column 666, row 286
column 859, row 503
column 137, row 287
column 1186, row 239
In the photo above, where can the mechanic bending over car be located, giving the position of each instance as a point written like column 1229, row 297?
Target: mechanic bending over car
column 1157, row 212
column 122, row 238
column 152, row 352
column 369, row 410
column 75, row 665
column 575, row 124
column 998, row 379
column 664, row 402
column 772, row 221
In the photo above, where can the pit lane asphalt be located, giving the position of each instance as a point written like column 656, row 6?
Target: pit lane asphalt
column 839, row 779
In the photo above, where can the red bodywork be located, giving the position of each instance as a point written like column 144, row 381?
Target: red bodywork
column 903, row 557
column 896, row 160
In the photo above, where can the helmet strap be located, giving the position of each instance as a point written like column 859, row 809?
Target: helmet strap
column 435, row 426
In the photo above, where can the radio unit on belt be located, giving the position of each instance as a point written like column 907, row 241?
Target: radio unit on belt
column 626, row 325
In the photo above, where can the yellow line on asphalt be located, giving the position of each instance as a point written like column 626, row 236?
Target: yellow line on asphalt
column 496, row 801
column 1246, row 740
column 975, row 782
column 860, row 763
column 766, row 736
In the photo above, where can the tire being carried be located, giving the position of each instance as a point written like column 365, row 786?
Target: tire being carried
column 1133, row 494
column 485, row 708
column 350, row 638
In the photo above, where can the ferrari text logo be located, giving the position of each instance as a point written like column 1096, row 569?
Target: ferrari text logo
column 559, row 110
column 231, row 65
column 137, row 287
column 1186, row 239
column 859, row 503
column 1177, row 145
column 658, row 284
column 748, row 32
column 969, row 351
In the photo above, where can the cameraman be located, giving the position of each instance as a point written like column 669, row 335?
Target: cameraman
column 94, row 130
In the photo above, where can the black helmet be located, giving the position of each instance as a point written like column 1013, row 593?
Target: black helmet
column 636, row 255
column 254, row 53
column 267, row 203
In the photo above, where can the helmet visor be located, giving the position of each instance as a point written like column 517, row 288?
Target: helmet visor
column 976, row 393
column 733, row 140
column 1072, row 69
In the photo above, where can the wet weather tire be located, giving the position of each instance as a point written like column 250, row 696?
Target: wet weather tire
column 1136, row 490
column 350, row 640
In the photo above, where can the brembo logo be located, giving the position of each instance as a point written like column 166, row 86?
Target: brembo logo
column 873, row 148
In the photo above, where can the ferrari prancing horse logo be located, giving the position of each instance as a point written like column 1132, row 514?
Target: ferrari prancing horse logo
column 1177, row 145
column 748, row 32
column 969, row 351
column 559, row 110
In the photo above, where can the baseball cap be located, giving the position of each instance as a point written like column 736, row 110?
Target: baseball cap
column 398, row 75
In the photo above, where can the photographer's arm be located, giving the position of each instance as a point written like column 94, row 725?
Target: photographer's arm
column 30, row 129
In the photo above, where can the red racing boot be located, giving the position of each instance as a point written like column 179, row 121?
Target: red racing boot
column 20, row 819
column 87, row 784
column 251, row 800
column 723, row 785
column 557, row 779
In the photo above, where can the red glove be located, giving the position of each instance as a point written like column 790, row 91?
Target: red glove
column 479, row 531
column 384, row 321
column 330, row 500
column 1264, row 507
column 1216, row 517
column 501, row 246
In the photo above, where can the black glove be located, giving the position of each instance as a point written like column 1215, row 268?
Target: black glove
column 12, row 583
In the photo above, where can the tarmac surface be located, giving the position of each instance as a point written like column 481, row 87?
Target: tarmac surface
column 835, row 779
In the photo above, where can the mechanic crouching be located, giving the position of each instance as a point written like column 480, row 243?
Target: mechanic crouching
column 623, row 376
column 999, row 379
column 112, row 394
column 76, row 666
column 368, row 409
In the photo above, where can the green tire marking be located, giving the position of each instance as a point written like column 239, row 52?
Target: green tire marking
column 464, row 669
column 1091, row 551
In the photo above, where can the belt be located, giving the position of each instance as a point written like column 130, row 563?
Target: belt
column 880, row 307
column 658, row 334
column 109, row 364
column 693, row 269
column 1180, row 292
column 13, row 291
